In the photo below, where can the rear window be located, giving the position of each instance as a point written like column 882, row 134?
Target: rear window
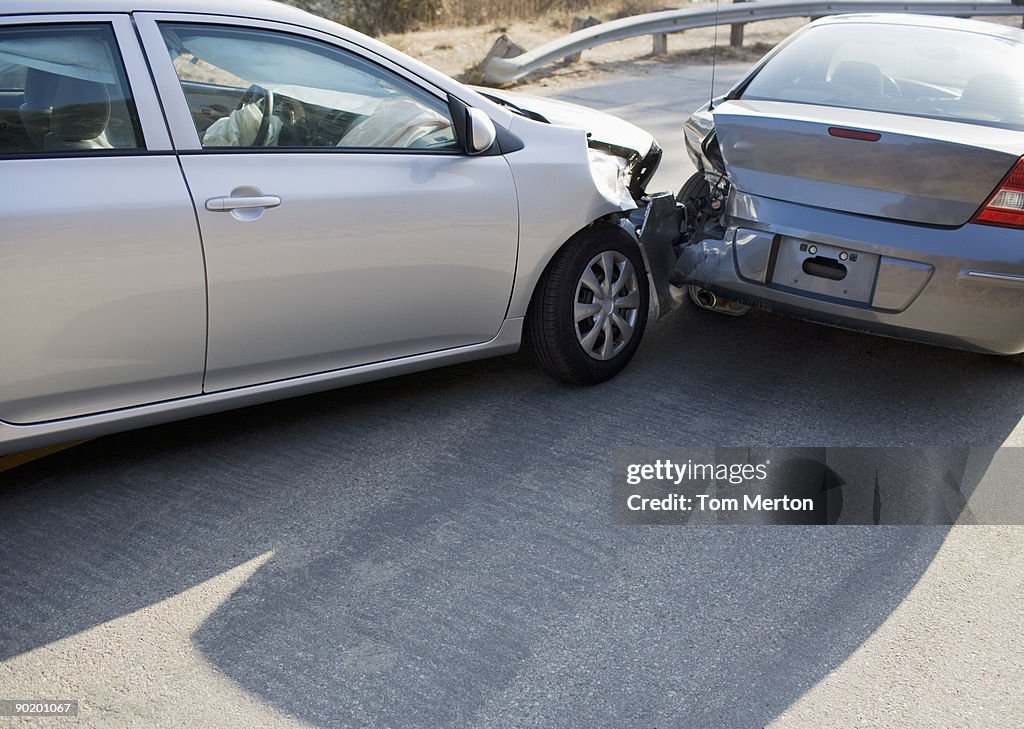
column 933, row 72
column 63, row 90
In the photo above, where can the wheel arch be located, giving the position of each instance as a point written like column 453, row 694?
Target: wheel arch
column 616, row 224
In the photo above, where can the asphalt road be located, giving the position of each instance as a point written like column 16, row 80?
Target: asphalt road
column 437, row 550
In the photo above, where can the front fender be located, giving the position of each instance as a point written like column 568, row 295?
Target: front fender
column 559, row 196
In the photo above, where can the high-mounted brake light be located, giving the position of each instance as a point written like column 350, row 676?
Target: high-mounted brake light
column 844, row 133
column 1005, row 206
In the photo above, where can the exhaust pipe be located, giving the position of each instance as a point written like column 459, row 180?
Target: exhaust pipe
column 705, row 298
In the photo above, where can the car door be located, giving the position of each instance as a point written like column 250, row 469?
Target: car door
column 342, row 223
column 102, row 288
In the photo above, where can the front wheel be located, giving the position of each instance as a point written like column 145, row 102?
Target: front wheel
column 589, row 311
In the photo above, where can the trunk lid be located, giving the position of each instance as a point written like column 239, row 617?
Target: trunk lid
column 906, row 168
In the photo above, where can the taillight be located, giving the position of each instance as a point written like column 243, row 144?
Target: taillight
column 1006, row 205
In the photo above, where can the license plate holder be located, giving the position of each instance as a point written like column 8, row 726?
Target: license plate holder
column 825, row 270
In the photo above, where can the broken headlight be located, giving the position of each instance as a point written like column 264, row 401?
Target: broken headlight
column 611, row 175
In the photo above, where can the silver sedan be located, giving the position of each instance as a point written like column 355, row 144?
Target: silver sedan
column 211, row 203
column 867, row 173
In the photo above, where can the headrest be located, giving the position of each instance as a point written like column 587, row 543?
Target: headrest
column 81, row 110
column 859, row 76
column 997, row 94
column 40, row 88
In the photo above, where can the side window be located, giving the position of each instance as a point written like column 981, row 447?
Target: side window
column 63, row 90
column 255, row 88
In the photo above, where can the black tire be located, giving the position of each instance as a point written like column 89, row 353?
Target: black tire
column 570, row 349
column 695, row 188
column 695, row 197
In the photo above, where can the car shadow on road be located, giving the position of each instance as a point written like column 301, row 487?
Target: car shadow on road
column 443, row 546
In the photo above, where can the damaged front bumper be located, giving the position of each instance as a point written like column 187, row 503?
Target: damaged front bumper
column 656, row 227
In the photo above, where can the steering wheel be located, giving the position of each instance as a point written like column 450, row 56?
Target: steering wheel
column 253, row 95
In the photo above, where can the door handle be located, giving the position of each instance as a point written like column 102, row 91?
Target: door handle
column 226, row 204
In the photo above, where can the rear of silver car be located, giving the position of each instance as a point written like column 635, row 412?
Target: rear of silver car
column 886, row 195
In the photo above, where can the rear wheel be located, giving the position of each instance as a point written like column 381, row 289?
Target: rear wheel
column 696, row 189
column 589, row 311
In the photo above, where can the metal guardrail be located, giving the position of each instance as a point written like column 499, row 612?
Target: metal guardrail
column 505, row 70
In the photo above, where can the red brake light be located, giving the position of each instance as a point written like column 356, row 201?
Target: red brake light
column 844, row 133
column 1005, row 206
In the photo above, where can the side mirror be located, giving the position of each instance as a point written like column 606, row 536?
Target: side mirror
column 481, row 132
column 474, row 128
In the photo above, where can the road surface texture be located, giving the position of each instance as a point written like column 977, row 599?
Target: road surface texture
column 437, row 550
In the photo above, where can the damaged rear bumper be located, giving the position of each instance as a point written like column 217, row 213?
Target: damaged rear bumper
column 950, row 287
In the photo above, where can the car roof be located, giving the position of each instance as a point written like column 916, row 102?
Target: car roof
column 926, row 21
column 243, row 8
column 258, row 10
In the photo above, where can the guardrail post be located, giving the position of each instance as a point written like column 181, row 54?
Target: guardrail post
column 504, row 47
column 580, row 24
column 660, row 44
column 736, row 32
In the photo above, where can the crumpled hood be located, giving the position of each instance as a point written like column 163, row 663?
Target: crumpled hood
column 603, row 128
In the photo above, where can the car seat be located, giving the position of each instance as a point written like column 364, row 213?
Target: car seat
column 993, row 96
column 81, row 110
column 859, row 77
column 40, row 87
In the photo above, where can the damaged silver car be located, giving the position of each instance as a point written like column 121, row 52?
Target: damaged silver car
column 868, row 174
column 211, row 204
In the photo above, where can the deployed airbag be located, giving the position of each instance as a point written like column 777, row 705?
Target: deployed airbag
column 240, row 127
column 396, row 123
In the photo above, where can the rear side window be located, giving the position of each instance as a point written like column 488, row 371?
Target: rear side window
column 933, row 72
column 63, row 90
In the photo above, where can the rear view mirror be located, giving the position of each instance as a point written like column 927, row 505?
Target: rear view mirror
column 474, row 128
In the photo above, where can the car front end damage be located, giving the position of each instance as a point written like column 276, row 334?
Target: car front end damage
column 622, row 161
column 655, row 221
